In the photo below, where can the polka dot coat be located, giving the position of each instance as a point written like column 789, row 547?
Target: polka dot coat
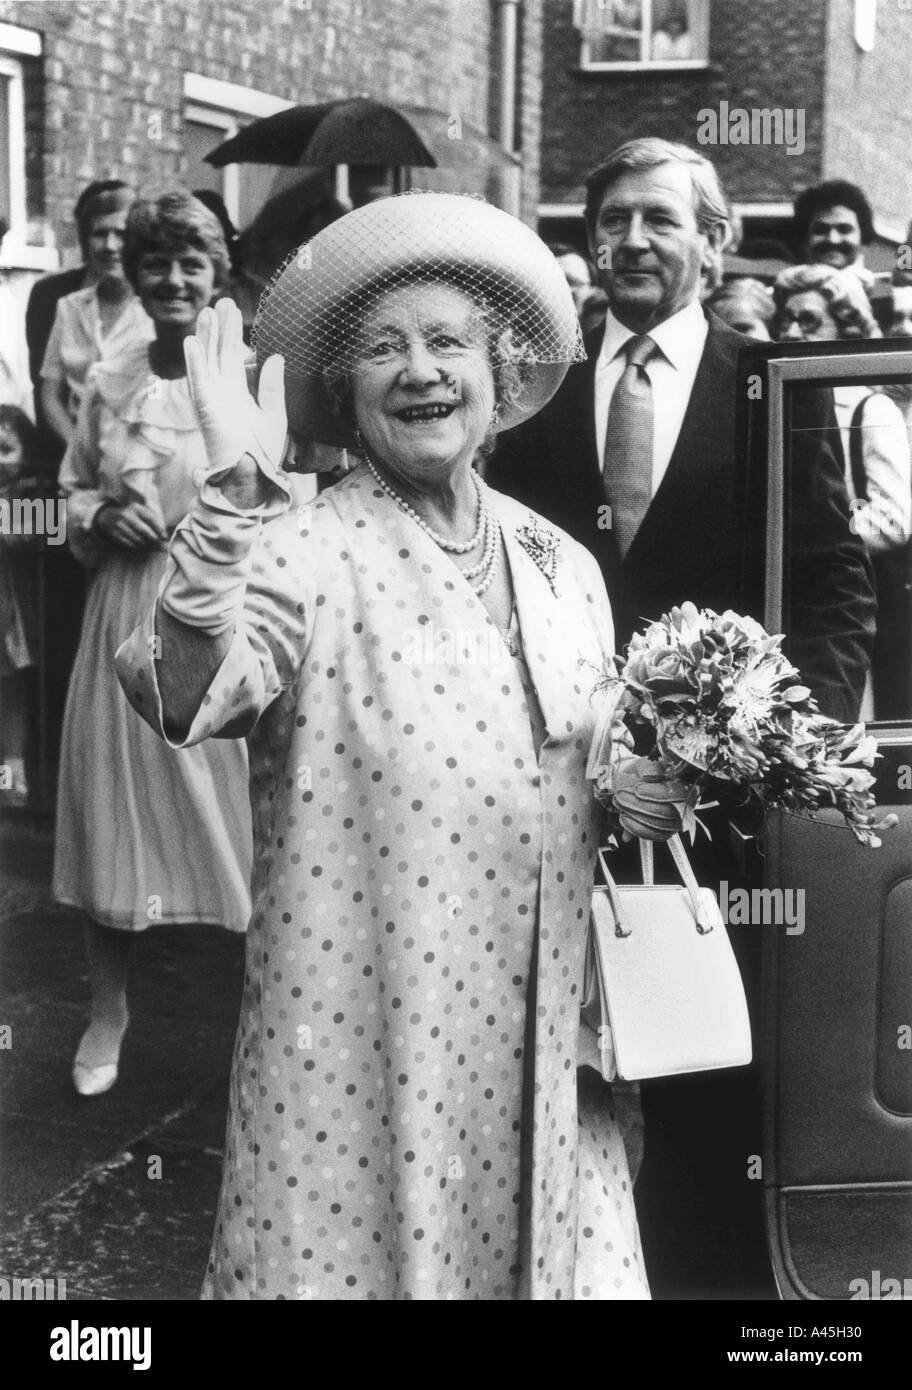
column 403, row 1120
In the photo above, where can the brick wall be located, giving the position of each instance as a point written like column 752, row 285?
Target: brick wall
column 768, row 54
column 866, row 132
column 113, row 74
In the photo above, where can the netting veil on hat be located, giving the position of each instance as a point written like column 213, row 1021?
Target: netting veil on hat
column 313, row 309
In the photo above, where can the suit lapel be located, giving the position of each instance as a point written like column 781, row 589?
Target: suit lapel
column 570, row 438
column 570, row 430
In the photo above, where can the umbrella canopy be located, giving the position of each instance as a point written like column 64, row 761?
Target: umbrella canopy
column 357, row 130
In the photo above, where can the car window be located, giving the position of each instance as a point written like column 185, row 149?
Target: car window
column 827, row 437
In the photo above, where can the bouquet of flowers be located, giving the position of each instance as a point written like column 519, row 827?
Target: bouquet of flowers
column 723, row 705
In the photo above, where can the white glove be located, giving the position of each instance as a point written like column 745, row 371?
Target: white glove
column 244, row 439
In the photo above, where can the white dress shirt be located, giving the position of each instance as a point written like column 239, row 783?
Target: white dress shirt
column 77, row 341
column 672, row 371
column 885, row 520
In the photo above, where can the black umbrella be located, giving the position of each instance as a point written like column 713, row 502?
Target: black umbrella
column 356, row 130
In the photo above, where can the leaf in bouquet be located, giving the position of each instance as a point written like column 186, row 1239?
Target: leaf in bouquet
column 790, row 758
column 662, row 689
column 690, row 741
column 689, row 823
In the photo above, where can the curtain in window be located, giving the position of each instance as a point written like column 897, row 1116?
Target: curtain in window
column 596, row 18
column 614, row 29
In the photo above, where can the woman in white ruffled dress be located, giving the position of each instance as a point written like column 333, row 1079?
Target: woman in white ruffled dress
column 144, row 834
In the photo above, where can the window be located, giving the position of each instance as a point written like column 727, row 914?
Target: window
column 214, row 112
column 12, row 144
column 866, row 434
column 20, row 150
column 620, row 35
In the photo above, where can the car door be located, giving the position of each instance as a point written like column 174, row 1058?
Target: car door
column 836, row 1011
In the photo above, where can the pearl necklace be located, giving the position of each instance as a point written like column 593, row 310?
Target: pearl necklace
column 488, row 531
column 455, row 547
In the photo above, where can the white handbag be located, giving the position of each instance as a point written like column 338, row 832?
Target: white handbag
column 662, row 987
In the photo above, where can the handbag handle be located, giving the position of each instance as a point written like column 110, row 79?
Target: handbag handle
column 679, row 854
column 614, row 897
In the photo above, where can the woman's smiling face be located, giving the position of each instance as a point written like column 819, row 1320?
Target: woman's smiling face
column 175, row 284
column 422, row 385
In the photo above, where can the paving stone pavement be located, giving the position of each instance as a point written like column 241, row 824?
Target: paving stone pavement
column 115, row 1194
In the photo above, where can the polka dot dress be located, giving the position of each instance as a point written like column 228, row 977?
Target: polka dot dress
column 403, row 1120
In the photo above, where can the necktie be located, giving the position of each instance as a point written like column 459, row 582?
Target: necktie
column 627, row 475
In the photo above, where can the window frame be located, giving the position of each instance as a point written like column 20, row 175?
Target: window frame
column 11, row 70
column 18, row 43
column 662, row 65
column 226, row 108
column 781, row 368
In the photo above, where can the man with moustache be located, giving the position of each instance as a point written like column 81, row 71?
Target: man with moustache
column 644, row 434
column 833, row 225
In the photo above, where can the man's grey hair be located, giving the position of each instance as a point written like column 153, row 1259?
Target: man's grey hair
column 710, row 205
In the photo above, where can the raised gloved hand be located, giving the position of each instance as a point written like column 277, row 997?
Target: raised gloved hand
column 244, row 438
column 649, row 803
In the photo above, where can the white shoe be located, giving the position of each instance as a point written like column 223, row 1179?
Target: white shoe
column 94, row 1081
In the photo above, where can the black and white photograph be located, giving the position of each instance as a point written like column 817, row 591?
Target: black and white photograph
column 456, row 663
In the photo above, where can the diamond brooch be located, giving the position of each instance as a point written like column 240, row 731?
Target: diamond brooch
column 542, row 546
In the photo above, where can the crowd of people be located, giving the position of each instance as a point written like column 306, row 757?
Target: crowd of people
column 415, row 856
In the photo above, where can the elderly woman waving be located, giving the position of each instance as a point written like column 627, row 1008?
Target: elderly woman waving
column 409, row 658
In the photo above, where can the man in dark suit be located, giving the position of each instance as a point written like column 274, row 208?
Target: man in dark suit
column 639, row 457
column 656, row 215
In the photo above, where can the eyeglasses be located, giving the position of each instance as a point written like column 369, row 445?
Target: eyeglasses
column 807, row 320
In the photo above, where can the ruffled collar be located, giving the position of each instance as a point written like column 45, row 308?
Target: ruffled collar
column 129, row 387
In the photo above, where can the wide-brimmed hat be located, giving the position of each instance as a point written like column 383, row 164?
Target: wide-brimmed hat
column 312, row 309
